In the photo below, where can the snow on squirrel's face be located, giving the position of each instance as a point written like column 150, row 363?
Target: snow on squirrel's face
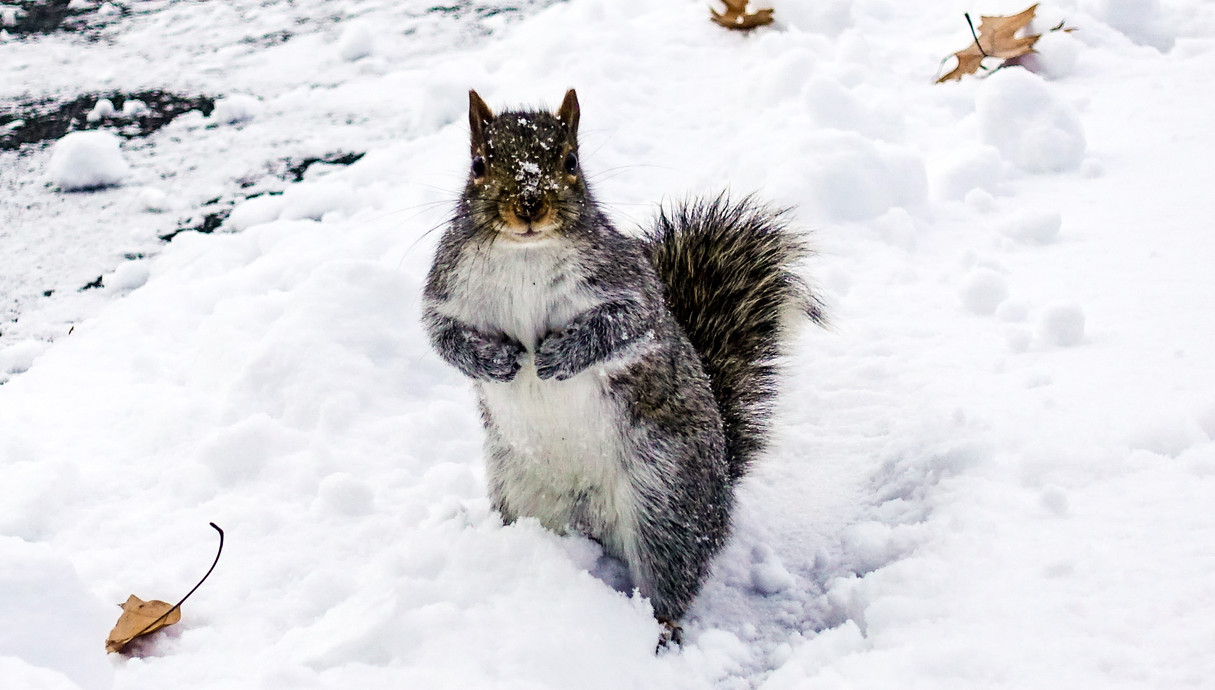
column 524, row 179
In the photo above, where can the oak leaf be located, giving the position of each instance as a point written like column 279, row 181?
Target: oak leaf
column 140, row 618
column 737, row 17
column 997, row 38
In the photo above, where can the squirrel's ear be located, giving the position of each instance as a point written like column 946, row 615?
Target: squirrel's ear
column 568, row 112
column 479, row 116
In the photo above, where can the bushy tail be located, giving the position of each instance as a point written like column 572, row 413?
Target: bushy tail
column 728, row 271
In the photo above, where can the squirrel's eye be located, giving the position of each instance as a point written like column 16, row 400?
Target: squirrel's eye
column 571, row 163
column 478, row 166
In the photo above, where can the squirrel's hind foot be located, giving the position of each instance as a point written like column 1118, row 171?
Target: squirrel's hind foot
column 672, row 635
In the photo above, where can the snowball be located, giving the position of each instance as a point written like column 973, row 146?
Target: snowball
column 255, row 211
column 1029, row 123
column 768, row 574
column 1167, row 434
column 87, row 160
column 1057, row 53
column 153, row 199
column 356, row 42
column 236, row 108
column 983, row 290
column 128, row 276
column 1062, row 324
column 133, row 108
column 102, row 109
column 1033, row 227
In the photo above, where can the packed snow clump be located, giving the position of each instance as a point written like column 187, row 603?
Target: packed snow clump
column 1033, row 227
column 235, row 109
column 1029, row 123
column 982, row 291
column 103, row 108
column 355, row 42
column 1062, row 324
column 255, row 211
column 87, row 160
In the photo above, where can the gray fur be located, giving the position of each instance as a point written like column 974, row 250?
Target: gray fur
column 599, row 415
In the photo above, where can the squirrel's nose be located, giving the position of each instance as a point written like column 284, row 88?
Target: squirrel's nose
column 530, row 207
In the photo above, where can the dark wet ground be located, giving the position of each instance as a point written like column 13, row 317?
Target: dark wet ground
column 36, row 122
column 48, row 16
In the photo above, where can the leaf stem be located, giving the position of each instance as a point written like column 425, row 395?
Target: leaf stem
column 975, row 34
column 187, row 596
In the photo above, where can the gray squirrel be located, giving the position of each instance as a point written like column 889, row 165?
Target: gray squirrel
column 625, row 384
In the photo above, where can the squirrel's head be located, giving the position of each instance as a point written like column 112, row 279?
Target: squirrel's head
column 524, row 178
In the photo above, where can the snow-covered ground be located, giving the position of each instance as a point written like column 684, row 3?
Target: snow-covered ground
column 997, row 470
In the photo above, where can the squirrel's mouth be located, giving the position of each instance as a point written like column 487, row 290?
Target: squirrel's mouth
column 522, row 230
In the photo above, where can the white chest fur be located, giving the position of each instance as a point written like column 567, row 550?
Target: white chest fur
column 523, row 291
column 565, row 456
column 565, row 460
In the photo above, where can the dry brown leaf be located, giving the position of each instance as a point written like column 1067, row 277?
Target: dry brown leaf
column 998, row 39
column 737, row 17
column 137, row 615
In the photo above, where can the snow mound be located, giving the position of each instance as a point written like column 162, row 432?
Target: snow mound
column 1029, row 123
column 853, row 178
column 128, row 276
column 983, row 290
column 1057, row 53
column 255, row 211
column 356, row 42
column 19, row 357
column 1142, row 21
column 955, row 176
column 102, row 109
column 1062, row 324
column 153, row 200
column 57, row 638
column 237, row 108
column 87, row 160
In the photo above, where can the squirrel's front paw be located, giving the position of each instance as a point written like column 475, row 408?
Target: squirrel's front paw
column 560, row 356
column 498, row 360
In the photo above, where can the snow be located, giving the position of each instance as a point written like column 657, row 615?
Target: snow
column 995, row 470
column 357, row 41
column 234, row 109
column 1062, row 324
column 1029, row 122
column 87, row 160
column 982, row 291
column 102, row 109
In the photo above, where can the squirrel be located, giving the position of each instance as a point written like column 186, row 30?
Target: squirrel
column 625, row 384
